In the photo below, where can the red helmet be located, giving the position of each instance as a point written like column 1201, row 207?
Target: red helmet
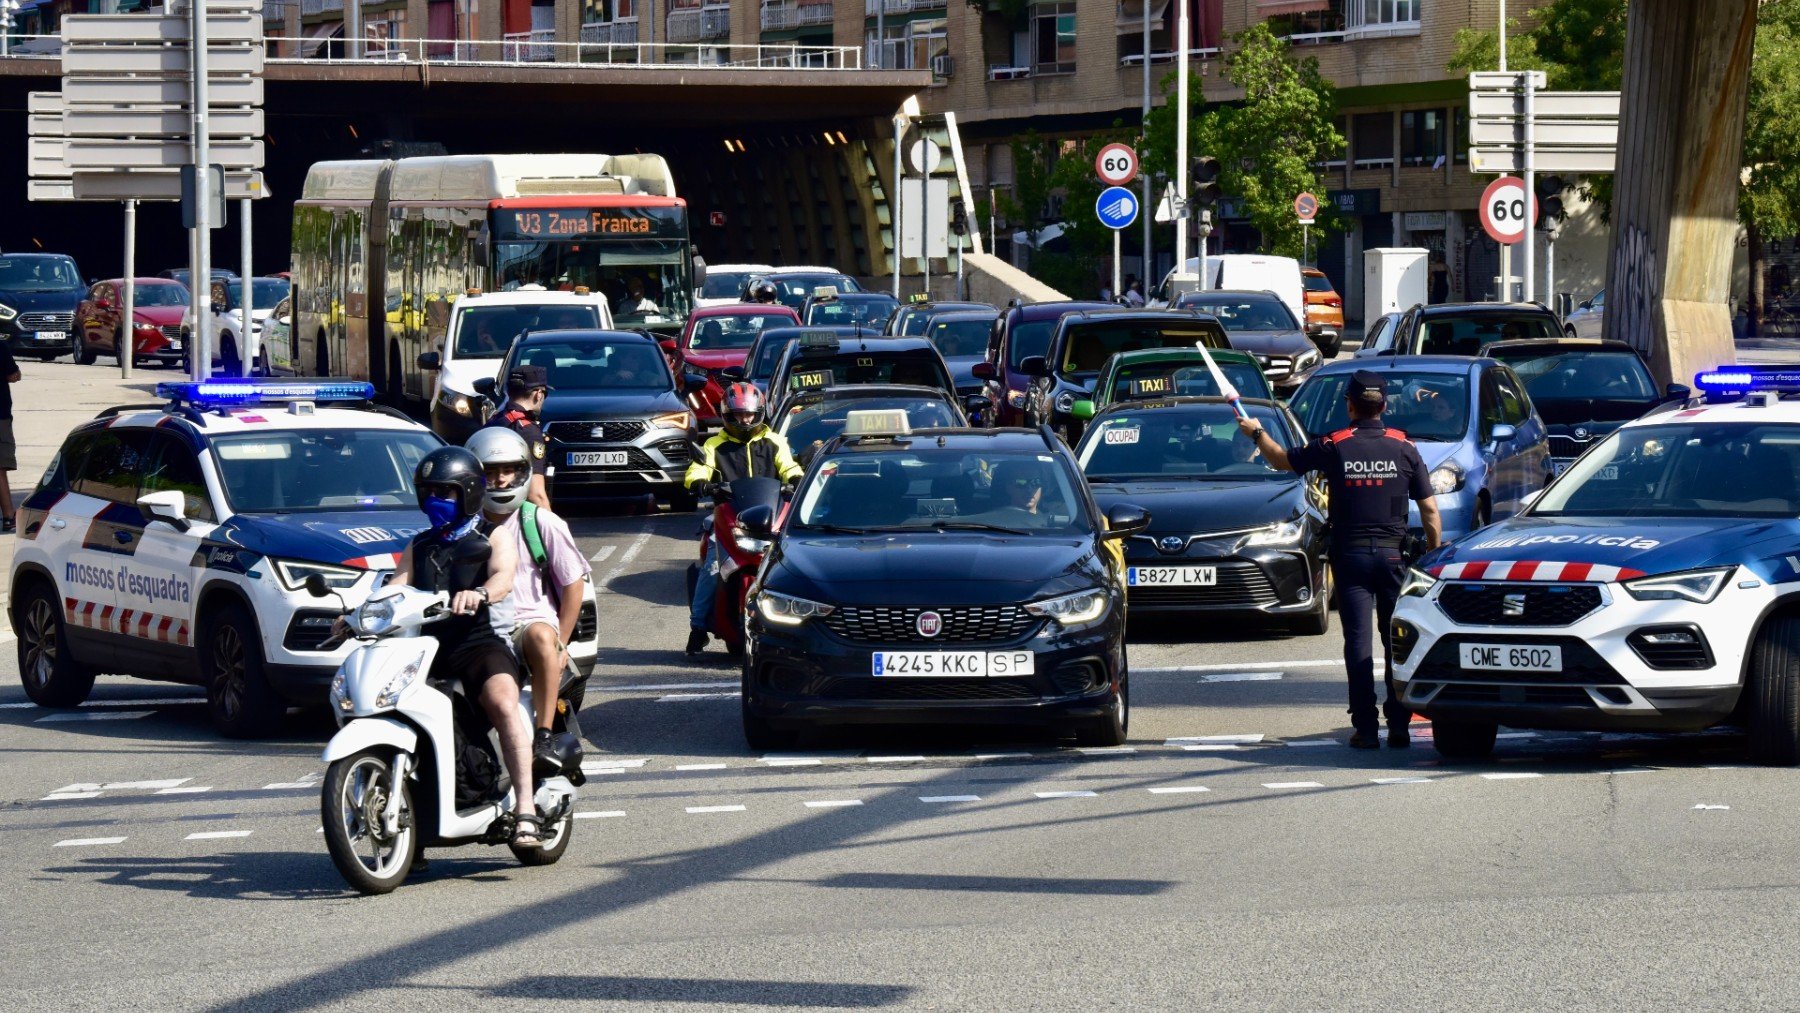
column 742, row 409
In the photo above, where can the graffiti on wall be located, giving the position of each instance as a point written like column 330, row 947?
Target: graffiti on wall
column 1638, row 288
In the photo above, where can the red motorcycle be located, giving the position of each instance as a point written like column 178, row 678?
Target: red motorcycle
column 740, row 555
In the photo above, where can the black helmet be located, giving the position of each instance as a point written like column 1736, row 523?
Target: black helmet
column 456, row 468
column 761, row 290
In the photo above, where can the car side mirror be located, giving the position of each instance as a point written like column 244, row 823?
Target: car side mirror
column 431, row 362
column 1500, row 434
column 485, row 387
column 1035, row 365
column 1125, row 520
column 984, row 371
column 758, row 521
column 693, row 383
column 734, row 374
column 1678, row 392
column 1083, row 410
column 667, row 345
column 168, row 506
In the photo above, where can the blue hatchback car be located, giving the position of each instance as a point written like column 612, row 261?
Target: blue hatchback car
column 1472, row 421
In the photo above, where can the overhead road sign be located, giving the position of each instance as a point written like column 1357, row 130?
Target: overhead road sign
column 106, row 153
column 159, row 184
column 1565, row 132
column 237, row 59
column 169, row 121
column 1547, row 105
column 134, row 29
column 1116, row 164
column 1116, row 207
column 166, row 91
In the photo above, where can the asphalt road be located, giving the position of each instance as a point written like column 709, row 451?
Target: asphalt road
column 1233, row 856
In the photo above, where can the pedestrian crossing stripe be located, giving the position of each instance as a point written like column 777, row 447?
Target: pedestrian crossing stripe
column 130, row 622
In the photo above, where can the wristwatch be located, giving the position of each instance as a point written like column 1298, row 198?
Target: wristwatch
column 482, row 590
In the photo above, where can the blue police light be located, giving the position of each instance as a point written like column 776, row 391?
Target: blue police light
column 226, row 393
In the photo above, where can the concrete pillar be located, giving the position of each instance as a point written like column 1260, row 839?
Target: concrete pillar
column 1681, row 133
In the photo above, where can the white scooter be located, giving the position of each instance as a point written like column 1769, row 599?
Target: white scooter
column 415, row 762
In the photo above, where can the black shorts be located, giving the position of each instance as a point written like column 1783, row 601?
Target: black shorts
column 474, row 662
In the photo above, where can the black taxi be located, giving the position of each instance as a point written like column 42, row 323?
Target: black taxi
column 822, row 359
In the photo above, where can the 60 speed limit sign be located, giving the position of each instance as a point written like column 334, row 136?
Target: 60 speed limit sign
column 1507, row 210
column 1116, row 165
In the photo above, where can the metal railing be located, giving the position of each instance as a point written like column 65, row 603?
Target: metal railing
column 777, row 16
column 816, row 13
column 623, row 32
column 1137, row 59
column 536, row 46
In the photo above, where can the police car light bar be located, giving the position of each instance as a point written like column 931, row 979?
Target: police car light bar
column 883, row 422
column 1729, row 381
column 226, row 393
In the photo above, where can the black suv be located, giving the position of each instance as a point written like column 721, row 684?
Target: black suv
column 1463, row 328
column 38, row 296
column 821, row 359
column 1084, row 341
column 960, row 576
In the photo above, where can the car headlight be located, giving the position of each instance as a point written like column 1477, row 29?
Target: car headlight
column 1446, row 478
column 1691, row 585
column 458, row 403
column 1306, row 360
column 673, row 420
column 397, row 685
column 788, row 610
column 1283, row 533
column 293, row 574
column 7, row 313
column 1417, row 584
column 1076, row 609
column 374, row 617
column 340, row 697
column 1016, row 398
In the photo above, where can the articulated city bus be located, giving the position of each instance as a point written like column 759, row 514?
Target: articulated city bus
column 382, row 248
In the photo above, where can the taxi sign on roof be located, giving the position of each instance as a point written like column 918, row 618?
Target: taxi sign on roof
column 818, row 339
column 825, row 292
column 882, row 422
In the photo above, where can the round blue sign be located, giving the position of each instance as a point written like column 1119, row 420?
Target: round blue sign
column 1116, row 207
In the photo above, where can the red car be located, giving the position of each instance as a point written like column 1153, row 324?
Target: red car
column 157, row 311
column 717, row 338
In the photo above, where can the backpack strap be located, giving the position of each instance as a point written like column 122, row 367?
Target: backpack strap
column 531, row 524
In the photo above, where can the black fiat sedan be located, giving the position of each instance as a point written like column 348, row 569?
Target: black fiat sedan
column 949, row 576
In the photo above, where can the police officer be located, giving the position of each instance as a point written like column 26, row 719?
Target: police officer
column 1373, row 471
column 526, row 389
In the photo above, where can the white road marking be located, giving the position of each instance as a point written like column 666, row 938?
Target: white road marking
column 1306, row 743
column 1104, row 750
column 1064, row 794
column 1293, row 784
column 1399, row 780
column 1214, row 747
column 157, row 701
column 1002, row 756
column 1242, row 677
column 84, row 786
column 1250, row 666
column 93, row 716
column 597, row 771
column 82, row 842
column 1511, row 775
column 935, row 799
column 1180, row 789
column 610, row 762
column 715, row 809
column 1211, row 739
column 215, row 835
column 894, row 759
column 288, row 786
column 1516, row 735
column 700, row 766
column 145, row 785
column 834, row 803
column 1712, row 807
column 1634, row 770
column 686, row 697
column 662, row 688
column 600, row 814
column 625, row 558
column 194, row 790
column 64, row 796
column 601, row 556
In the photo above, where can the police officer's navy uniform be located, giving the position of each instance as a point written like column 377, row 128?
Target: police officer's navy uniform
column 521, row 421
column 1374, row 473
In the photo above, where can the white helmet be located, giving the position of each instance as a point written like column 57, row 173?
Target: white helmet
column 492, row 445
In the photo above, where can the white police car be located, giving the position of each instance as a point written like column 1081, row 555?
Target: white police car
column 174, row 541
column 1655, row 586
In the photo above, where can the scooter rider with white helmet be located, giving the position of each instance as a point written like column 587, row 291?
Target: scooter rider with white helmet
column 550, row 584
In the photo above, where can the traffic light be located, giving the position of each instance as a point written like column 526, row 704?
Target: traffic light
column 1204, row 172
column 959, row 219
column 1549, row 195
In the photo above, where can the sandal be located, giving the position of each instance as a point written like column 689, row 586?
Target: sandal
column 528, row 831
column 9, row 525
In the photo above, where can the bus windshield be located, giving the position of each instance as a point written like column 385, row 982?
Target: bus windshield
column 647, row 281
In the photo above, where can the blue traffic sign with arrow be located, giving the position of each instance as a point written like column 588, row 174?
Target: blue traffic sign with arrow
column 1116, row 207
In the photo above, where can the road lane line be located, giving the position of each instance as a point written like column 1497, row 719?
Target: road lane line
column 696, row 809
column 64, row 796
column 1064, row 794
column 79, row 786
column 1400, row 780
column 1703, row 806
column 894, row 759
column 1212, row 739
column 193, row 790
column 936, row 799
column 1278, row 785
column 93, row 716
column 834, row 803
column 701, row 766
column 1308, row 743
column 661, row 688
column 145, row 785
column 625, row 558
column 1242, row 677
column 688, row 697
column 601, row 556
column 289, row 786
column 1105, row 750
column 216, row 835
column 148, row 702
column 82, row 842
column 1181, row 789
column 599, row 814
column 1511, row 775
column 1003, row 756
column 611, row 762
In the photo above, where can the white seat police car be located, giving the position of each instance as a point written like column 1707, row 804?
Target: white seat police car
column 175, row 541
column 1655, row 586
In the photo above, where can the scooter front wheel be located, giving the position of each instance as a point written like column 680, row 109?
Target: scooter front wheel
column 556, row 841
column 351, row 803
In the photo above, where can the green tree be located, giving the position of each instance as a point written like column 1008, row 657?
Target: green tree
column 1089, row 260
column 1270, row 145
column 1028, row 204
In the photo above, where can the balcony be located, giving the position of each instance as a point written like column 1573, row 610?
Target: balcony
column 778, row 16
column 709, row 23
column 529, row 47
column 610, row 33
column 311, row 7
column 815, row 13
column 873, row 7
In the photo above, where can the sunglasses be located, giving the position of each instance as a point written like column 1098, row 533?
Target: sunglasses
column 1025, row 483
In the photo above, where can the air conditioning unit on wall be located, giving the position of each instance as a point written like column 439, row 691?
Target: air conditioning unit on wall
column 943, row 65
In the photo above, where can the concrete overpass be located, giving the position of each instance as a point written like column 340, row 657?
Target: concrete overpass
column 802, row 190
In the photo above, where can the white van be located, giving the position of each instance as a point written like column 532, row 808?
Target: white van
column 481, row 330
column 1252, row 272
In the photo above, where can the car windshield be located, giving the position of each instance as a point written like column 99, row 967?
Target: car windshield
column 311, row 470
column 733, row 330
column 156, row 295
column 818, row 422
column 598, row 365
column 924, row 487
column 1427, row 407
column 38, row 274
column 960, row 338
column 1157, row 379
column 1088, row 344
column 264, row 293
column 768, row 354
column 872, row 312
column 917, row 367
column 1026, row 339
column 1237, row 313
column 1582, row 375
column 1693, row 470
column 1316, row 283
column 1466, row 334
column 724, row 284
column 794, row 289
column 486, row 332
column 1192, row 441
